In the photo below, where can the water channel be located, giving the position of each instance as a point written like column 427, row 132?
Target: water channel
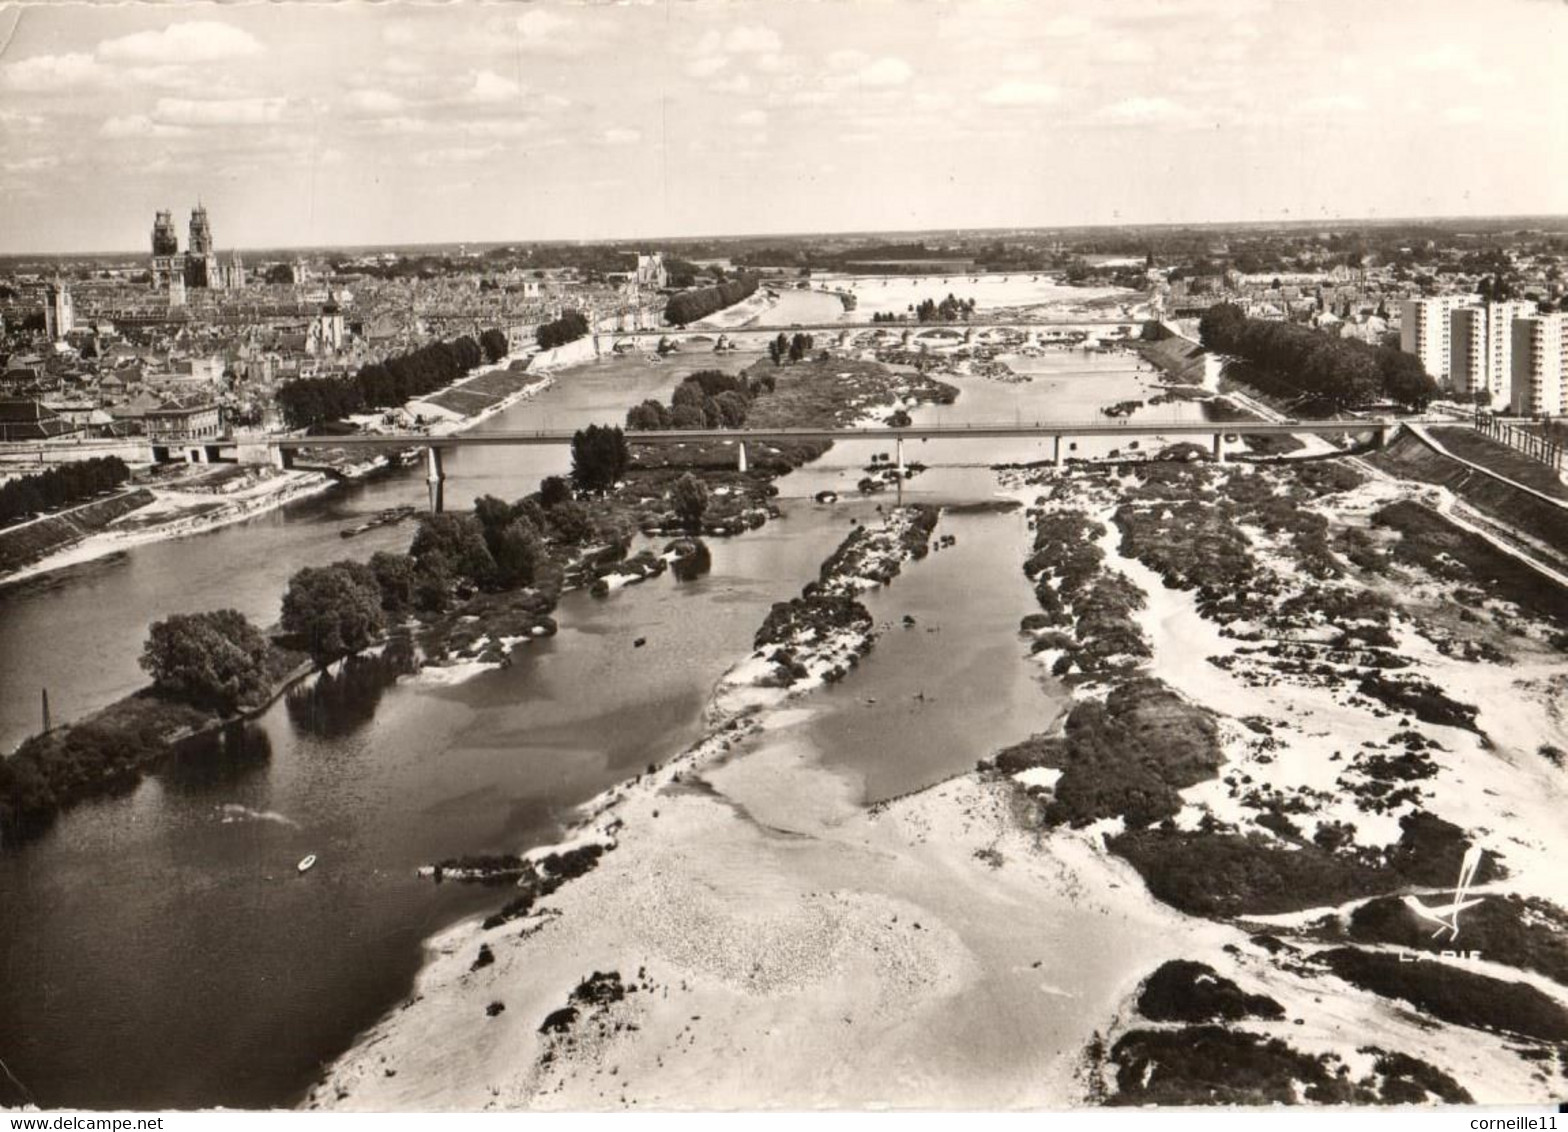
column 160, row 950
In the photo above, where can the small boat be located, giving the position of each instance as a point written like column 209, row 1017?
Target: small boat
column 307, row 864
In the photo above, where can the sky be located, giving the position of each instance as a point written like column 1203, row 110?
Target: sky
column 302, row 123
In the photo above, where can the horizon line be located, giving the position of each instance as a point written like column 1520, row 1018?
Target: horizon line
column 1343, row 221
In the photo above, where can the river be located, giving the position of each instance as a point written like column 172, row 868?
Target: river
column 160, row 949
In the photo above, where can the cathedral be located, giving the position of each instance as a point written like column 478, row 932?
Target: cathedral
column 197, row 268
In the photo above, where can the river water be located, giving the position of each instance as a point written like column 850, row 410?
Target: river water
column 160, row 950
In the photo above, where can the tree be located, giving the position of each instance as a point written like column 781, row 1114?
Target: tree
column 460, row 540
column 396, row 578
column 216, row 660
column 1220, row 327
column 689, row 497
column 518, row 551
column 599, row 457
column 554, row 491
column 570, row 522
column 493, row 343
column 571, row 326
column 332, row 610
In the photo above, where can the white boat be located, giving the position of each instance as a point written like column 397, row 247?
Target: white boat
column 306, row 864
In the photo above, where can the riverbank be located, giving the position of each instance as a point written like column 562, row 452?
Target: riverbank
column 252, row 491
column 1305, row 725
column 1176, row 894
column 760, row 939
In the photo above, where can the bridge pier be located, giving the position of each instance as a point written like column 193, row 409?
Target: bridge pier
column 435, row 479
column 1219, row 448
column 1056, row 451
column 899, row 448
column 741, row 454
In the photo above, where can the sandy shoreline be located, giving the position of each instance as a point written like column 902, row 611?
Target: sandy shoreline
column 758, row 939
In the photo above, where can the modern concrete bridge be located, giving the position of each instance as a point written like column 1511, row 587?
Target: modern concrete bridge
column 280, row 450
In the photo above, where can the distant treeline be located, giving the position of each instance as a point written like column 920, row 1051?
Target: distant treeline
column 568, row 328
column 69, row 483
column 311, row 401
column 688, row 306
column 1297, row 360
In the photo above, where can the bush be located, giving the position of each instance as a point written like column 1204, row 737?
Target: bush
column 216, row 660
column 689, row 496
column 599, row 457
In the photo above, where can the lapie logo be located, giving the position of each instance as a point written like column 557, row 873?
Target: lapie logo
column 1446, row 916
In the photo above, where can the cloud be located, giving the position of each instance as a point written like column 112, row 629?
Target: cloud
column 374, row 103
column 139, row 126
column 491, row 87
column 1140, row 108
column 540, row 25
column 734, row 84
column 752, row 118
column 1334, row 103
column 753, row 39
column 620, row 135
column 1021, row 92
column 1067, row 27
column 32, row 164
column 219, row 112
column 49, row 73
column 886, row 71
column 456, row 154
column 1463, row 115
column 501, row 127
column 195, row 41
column 706, row 65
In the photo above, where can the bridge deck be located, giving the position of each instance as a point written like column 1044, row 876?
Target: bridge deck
column 1040, row 429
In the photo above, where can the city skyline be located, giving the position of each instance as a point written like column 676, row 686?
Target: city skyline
column 344, row 125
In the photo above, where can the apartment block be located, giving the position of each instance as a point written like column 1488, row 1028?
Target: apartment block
column 1537, row 365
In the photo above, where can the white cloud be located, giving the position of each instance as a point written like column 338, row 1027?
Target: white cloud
column 491, row 87
column 1067, row 27
column 139, row 126
column 195, row 41
column 32, row 164
column 753, row 39
column 374, row 103
column 1021, row 92
column 49, row 73
column 456, row 154
column 886, row 71
column 1463, row 115
column 705, row 65
column 540, row 25
column 734, row 84
column 219, row 112
column 406, row 124
column 501, row 127
column 848, row 59
column 752, row 118
column 1142, row 108
column 1022, row 62
column 1334, row 103
column 620, row 135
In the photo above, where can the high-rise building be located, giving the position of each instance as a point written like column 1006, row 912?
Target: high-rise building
column 165, row 241
column 1424, row 332
column 1481, row 348
column 1537, row 365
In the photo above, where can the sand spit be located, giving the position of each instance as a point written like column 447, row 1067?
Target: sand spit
column 758, row 938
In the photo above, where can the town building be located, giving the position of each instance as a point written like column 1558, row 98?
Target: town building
column 1424, row 330
column 1481, row 348
column 197, row 267
column 179, row 424
column 59, row 311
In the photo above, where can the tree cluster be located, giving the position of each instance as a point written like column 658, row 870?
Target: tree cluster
column 689, row 306
column 708, row 398
column 599, row 457
column 335, row 610
column 493, row 343
column 311, row 401
column 950, row 309
column 1337, row 372
column 794, row 348
column 216, row 660
column 69, row 483
column 571, row 326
